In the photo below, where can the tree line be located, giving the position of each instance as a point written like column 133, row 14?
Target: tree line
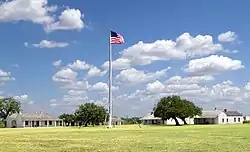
column 91, row 114
column 86, row 114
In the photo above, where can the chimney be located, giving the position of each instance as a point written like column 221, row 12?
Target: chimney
column 225, row 110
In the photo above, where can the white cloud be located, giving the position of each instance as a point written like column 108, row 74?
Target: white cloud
column 15, row 65
column 36, row 11
column 212, row 65
column 65, row 75
column 247, row 87
column 189, row 80
column 79, row 65
column 102, row 87
column 82, row 85
column 5, row 76
column 23, row 99
column 227, row 37
column 119, row 64
column 133, row 76
column 50, row 44
column 57, row 63
column 70, row 19
column 185, row 46
column 94, row 71
column 156, row 86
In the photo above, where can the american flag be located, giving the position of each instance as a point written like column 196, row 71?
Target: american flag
column 116, row 38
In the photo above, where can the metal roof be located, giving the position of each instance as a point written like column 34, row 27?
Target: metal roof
column 233, row 113
column 210, row 114
column 150, row 117
column 35, row 116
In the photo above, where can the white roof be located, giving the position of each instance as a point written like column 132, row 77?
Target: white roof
column 150, row 117
column 210, row 114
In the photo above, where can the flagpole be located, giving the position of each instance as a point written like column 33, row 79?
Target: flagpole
column 110, row 83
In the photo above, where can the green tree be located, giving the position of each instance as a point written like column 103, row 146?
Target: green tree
column 90, row 113
column 8, row 106
column 67, row 118
column 174, row 107
column 190, row 110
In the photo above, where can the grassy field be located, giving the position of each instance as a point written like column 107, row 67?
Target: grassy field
column 217, row 138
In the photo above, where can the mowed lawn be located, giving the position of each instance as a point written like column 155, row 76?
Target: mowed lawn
column 210, row 138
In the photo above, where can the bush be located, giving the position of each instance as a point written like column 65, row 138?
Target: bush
column 246, row 122
column 2, row 125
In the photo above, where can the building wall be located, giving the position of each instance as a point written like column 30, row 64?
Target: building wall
column 18, row 120
column 234, row 120
column 168, row 122
column 41, row 123
column 150, row 122
column 172, row 121
column 222, row 118
column 247, row 118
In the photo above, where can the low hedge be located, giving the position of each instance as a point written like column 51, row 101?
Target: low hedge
column 246, row 122
column 2, row 125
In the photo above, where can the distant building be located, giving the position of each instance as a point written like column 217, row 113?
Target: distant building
column 207, row 117
column 246, row 117
column 219, row 117
column 22, row 120
column 149, row 119
column 116, row 121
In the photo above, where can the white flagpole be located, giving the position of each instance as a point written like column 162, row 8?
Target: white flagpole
column 110, row 83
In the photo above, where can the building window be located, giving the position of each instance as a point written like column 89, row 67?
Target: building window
column 222, row 119
column 26, row 123
column 50, row 123
column 234, row 119
column 238, row 119
column 45, row 122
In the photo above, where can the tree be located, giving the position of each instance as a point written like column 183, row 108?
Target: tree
column 174, row 107
column 90, row 113
column 67, row 118
column 8, row 106
column 190, row 110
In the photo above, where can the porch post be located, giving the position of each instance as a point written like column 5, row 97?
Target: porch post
column 47, row 123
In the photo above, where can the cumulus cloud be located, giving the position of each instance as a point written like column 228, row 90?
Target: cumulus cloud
column 227, row 37
column 39, row 12
column 79, row 65
column 118, row 64
column 133, row 76
column 212, row 65
column 70, row 19
column 183, row 47
column 102, row 87
column 51, row 44
column 23, row 99
column 65, row 75
column 5, row 76
column 27, row 10
column 189, row 80
column 94, row 71
column 57, row 63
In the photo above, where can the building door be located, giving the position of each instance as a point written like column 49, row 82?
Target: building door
column 13, row 124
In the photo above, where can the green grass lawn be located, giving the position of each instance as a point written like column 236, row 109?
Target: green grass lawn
column 216, row 138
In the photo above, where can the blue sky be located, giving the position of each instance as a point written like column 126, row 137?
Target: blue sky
column 178, row 39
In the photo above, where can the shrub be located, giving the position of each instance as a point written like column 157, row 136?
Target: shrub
column 246, row 122
column 2, row 125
